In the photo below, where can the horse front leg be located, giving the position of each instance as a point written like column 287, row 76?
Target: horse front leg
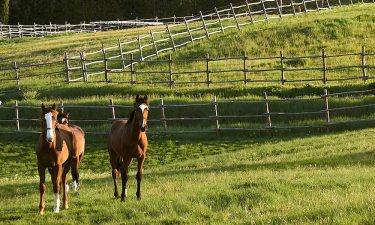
column 125, row 177
column 57, row 171
column 42, row 188
column 140, row 161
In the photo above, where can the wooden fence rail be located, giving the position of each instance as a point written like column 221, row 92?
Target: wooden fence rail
column 163, row 122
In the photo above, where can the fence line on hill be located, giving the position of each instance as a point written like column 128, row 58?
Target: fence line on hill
column 204, row 26
column 216, row 118
column 244, row 69
column 42, row 30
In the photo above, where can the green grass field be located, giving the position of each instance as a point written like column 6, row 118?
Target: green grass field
column 299, row 179
column 291, row 177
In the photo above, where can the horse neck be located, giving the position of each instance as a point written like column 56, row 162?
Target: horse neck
column 134, row 130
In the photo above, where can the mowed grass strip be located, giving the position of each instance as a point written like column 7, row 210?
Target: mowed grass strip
column 315, row 179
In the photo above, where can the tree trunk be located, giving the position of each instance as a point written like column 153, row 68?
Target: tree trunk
column 4, row 11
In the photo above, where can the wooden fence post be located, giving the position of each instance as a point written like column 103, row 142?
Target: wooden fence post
column 17, row 76
column 19, row 29
column 324, row 66
column 67, row 71
column 204, row 25
column 35, row 33
column 208, row 70
column 304, row 5
column 326, row 108
column 364, row 72
column 171, row 37
column 170, row 72
column 62, row 106
column 244, row 67
column 140, row 48
column 154, row 43
column 235, row 16
column 264, row 10
column 249, row 11
column 216, row 113
column 282, row 67
column 219, row 19
column 105, row 61
column 132, row 69
column 294, row 9
column 279, row 9
column 112, row 106
column 17, row 117
column 269, row 122
column 1, row 30
column 83, row 66
column 188, row 30
column 121, row 53
column 162, row 112
column 317, row 5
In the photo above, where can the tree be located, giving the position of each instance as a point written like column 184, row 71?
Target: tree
column 4, row 11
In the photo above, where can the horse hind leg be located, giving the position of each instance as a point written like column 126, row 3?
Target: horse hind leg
column 75, row 174
column 115, row 164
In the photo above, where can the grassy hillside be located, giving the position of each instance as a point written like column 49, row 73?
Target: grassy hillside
column 341, row 30
column 323, row 179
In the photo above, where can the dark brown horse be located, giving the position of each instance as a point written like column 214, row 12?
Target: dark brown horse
column 78, row 145
column 52, row 152
column 127, row 140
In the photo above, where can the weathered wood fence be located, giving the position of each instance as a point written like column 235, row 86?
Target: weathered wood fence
column 42, row 30
column 212, row 120
column 177, row 35
column 242, row 69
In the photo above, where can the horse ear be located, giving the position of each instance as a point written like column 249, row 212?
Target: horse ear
column 43, row 106
column 67, row 115
column 145, row 98
column 54, row 106
column 137, row 98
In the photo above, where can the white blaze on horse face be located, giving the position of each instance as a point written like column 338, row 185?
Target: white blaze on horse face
column 50, row 134
column 63, row 120
column 56, row 205
column 143, row 107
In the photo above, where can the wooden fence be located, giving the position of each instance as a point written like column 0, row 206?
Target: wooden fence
column 174, row 36
column 42, row 30
column 241, row 69
column 211, row 119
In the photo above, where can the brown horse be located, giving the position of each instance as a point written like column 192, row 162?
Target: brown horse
column 78, row 145
column 127, row 140
column 52, row 152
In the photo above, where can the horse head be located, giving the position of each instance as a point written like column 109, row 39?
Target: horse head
column 49, row 121
column 63, row 118
column 141, row 106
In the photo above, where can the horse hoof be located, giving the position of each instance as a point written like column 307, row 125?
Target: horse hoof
column 56, row 210
column 75, row 186
column 41, row 212
column 66, row 207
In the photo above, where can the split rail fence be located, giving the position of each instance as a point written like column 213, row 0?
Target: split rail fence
column 209, row 116
column 42, row 30
column 208, row 71
column 178, row 35
column 281, row 69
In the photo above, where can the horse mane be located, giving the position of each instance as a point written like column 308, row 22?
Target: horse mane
column 131, row 116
